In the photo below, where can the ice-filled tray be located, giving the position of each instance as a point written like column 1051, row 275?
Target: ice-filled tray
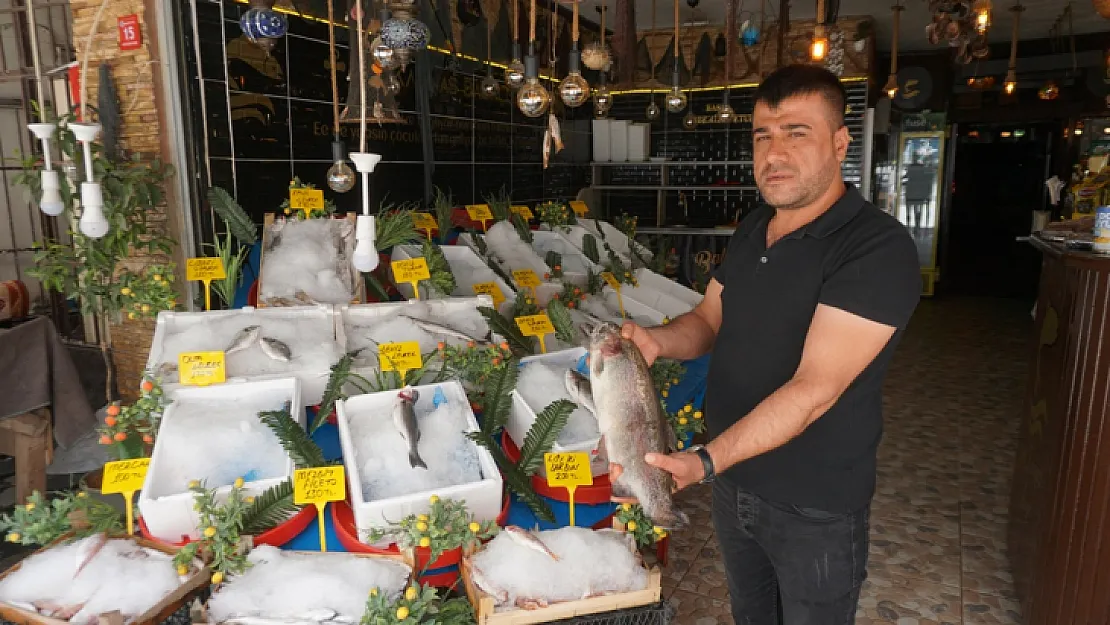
column 657, row 293
column 544, row 292
column 308, row 262
column 373, row 448
column 467, row 268
column 616, row 239
column 523, row 413
column 575, row 264
column 308, row 331
column 213, row 434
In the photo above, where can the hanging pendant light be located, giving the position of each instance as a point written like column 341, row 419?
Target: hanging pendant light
column 514, row 73
column 689, row 121
column 676, row 99
column 489, row 86
column 725, row 113
column 532, row 99
column 891, row 86
column 1010, row 86
column 404, row 33
column 574, row 90
column 596, row 55
column 51, row 201
column 340, row 177
column 652, row 111
column 603, row 99
column 365, row 257
column 819, row 48
column 93, row 222
column 263, row 25
column 981, row 9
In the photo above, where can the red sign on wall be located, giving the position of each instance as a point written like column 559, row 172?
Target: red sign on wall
column 130, row 34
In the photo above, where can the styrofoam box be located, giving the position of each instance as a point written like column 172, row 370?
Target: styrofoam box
column 439, row 308
column 633, row 310
column 460, row 258
column 313, row 382
column 639, row 142
column 602, row 153
column 618, row 139
column 545, row 291
column 522, row 415
column 544, row 241
column 658, row 293
column 616, row 239
column 483, row 498
column 172, row 516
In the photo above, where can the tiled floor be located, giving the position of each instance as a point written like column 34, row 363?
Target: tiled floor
column 938, row 520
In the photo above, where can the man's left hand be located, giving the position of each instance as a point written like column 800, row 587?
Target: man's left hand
column 685, row 467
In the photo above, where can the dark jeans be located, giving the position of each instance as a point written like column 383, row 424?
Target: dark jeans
column 789, row 565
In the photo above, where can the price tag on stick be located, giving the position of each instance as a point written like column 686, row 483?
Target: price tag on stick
column 412, row 271
column 579, row 207
column 206, row 270
column 616, row 284
column 568, row 469
column 124, row 477
column 491, row 289
column 400, row 357
column 526, row 279
column 306, row 200
column 524, row 212
column 318, row 487
column 537, row 326
column 425, row 222
column 480, row 212
column 202, row 368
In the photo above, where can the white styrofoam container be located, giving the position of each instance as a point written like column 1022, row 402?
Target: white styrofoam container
column 639, row 142
column 544, row 241
column 439, row 308
column 633, row 309
column 172, row 516
column 657, row 293
column 602, row 153
column 458, row 257
column 616, row 239
column 618, row 139
column 313, row 382
column 522, row 415
column 545, row 291
column 483, row 498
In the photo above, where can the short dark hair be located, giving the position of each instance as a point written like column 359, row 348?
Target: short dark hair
column 800, row 80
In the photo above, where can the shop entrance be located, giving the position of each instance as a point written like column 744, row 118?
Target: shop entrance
column 998, row 182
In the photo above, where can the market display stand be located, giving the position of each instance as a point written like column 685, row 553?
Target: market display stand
column 267, row 229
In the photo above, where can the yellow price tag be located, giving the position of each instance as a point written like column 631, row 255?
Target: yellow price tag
column 124, row 477
column 579, row 207
column 523, row 211
column 425, row 222
column 537, row 326
column 401, row 357
column 568, row 469
column 306, row 200
column 526, row 278
column 616, row 284
column 412, row 271
column 206, row 270
column 201, row 368
column 318, row 487
column 491, row 289
column 480, row 212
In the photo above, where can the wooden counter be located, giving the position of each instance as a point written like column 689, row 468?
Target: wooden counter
column 1059, row 533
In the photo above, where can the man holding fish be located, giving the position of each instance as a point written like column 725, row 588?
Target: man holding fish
column 802, row 318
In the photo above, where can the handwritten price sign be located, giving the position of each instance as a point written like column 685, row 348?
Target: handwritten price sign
column 579, row 207
column 206, row 270
column 491, row 289
column 306, row 200
column 537, row 326
column 425, row 222
column 412, row 271
column 402, row 357
column 480, row 212
column 202, row 368
column 523, row 211
column 569, row 470
column 318, row 487
column 526, row 279
column 124, row 478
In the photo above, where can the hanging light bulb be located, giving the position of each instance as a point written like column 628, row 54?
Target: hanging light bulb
column 383, row 54
column 603, row 99
column 341, row 178
column 93, row 223
column 574, row 90
column 689, row 122
column 490, row 86
column 532, row 99
column 820, row 46
column 1010, row 86
column 365, row 257
column 514, row 73
column 725, row 113
column 982, row 11
column 891, row 86
column 676, row 100
column 1011, row 82
column 51, row 201
column 652, row 111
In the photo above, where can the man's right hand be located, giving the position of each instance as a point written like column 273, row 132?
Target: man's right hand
column 643, row 339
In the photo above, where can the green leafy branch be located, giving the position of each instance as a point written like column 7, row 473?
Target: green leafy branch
column 507, row 328
column 559, row 313
column 220, row 527
column 41, row 521
column 500, row 204
column 589, row 248
column 417, row 605
column 443, row 280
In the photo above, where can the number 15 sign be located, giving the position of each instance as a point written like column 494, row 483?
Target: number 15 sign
column 130, row 33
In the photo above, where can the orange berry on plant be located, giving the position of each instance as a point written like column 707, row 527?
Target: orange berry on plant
column 112, row 410
column 120, row 437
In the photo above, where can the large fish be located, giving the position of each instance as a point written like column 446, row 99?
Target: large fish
column 632, row 423
column 527, row 539
column 404, row 419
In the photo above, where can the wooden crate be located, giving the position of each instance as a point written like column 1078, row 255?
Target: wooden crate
column 267, row 227
column 161, row 611
column 485, row 614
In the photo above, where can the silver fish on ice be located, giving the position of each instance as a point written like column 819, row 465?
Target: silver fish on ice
column 442, row 330
column 524, row 538
column 276, row 349
column 243, row 339
column 632, row 423
column 499, row 594
column 404, row 419
column 578, row 387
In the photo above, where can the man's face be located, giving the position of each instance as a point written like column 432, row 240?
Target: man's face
column 798, row 150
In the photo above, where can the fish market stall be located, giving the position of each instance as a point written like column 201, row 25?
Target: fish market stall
column 308, row 261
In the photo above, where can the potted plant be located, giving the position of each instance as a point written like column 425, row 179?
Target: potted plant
column 232, row 253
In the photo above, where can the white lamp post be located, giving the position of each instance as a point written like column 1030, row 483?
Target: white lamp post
column 365, row 258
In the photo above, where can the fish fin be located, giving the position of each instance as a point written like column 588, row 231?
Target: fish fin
column 621, row 489
column 416, row 461
column 671, row 519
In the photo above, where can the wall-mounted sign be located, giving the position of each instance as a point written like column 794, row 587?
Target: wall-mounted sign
column 130, row 34
column 915, row 87
column 923, row 122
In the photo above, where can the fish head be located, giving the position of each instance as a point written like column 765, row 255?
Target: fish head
column 408, row 395
column 605, row 342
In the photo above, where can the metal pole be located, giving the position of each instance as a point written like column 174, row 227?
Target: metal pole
column 33, row 27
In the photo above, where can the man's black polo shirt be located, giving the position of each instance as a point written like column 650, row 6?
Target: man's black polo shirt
column 853, row 257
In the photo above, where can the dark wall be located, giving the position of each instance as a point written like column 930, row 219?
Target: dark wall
column 270, row 118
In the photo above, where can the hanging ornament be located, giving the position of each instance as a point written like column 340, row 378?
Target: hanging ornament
column 689, row 121
column 382, row 54
column 93, row 222
column 532, row 99
column 263, row 25
column 749, row 30
column 403, row 32
column 676, row 99
column 514, row 73
column 574, row 90
column 596, row 55
column 652, row 112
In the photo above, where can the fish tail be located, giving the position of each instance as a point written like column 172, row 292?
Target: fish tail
column 671, row 519
column 416, row 461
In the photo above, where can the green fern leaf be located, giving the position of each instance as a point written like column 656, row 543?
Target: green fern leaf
column 499, row 401
column 514, row 478
column 333, row 392
column 444, row 206
column 560, row 318
column 542, row 435
column 238, row 222
column 589, row 248
column 508, row 329
column 522, row 228
column 443, row 281
column 393, row 227
column 305, row 453
column 271, row 508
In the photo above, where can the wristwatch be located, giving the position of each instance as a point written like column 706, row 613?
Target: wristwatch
column 706, row 463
